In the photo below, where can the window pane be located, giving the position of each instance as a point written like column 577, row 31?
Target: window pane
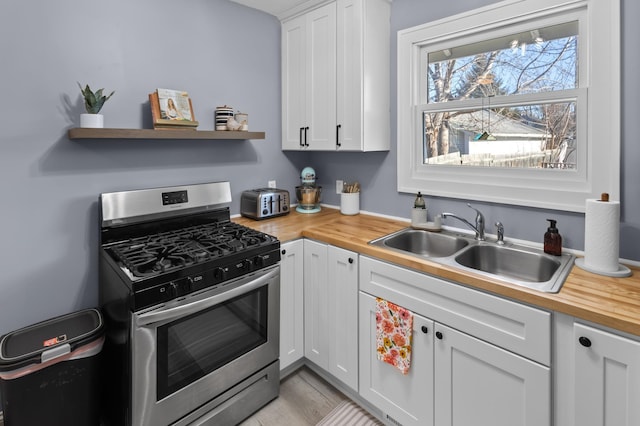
column 540, row 136
column 540, row 60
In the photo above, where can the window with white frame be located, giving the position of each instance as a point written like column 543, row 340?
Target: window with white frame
column 516, row 103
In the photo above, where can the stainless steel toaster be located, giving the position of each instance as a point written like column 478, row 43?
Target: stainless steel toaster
column 263, row 203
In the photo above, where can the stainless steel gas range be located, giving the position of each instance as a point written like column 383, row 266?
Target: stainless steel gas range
column 191, row 305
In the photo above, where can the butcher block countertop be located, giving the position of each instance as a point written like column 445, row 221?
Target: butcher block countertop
column 612, row 302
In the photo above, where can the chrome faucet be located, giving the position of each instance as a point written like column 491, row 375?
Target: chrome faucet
column 500, row 232
column 478, row 228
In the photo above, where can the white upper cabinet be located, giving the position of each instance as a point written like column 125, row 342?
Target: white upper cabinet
column 309, row 80
column 363, row 107
column 335, row 77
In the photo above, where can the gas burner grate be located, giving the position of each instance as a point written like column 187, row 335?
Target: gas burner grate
column 168, row 251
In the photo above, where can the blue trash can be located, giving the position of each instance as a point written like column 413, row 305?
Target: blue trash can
column 50, row 371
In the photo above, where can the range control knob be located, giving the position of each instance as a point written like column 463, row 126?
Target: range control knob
column 243, row 266
column 196, row 282
column 186, row 285
column 172, row 291
column 167, row 292
column 180, row 287
column 247, row 264
column 260, row 261
column 220, row 274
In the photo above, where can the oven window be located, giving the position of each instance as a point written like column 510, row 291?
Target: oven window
column 194, row 346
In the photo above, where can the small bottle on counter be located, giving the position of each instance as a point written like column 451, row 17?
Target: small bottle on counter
column 419, row 211
column 552, row 239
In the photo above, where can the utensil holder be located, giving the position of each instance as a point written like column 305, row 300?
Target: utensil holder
column 350, row 203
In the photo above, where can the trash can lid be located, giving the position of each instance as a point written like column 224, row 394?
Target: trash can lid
column 27, row 344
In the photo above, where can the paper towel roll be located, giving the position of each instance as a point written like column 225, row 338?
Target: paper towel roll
column 602, row 235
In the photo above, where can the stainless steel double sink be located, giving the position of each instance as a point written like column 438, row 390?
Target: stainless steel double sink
column 516, row 264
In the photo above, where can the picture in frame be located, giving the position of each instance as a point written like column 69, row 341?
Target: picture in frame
column 172, row 109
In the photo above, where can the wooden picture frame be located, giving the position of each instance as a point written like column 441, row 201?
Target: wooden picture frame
column 172, row 109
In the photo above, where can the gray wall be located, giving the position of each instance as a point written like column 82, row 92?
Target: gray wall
column 222, row 53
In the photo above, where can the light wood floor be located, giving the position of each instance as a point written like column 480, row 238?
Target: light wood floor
column 305, row 398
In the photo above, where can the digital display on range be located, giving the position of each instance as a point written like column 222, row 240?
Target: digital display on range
column 175, row 197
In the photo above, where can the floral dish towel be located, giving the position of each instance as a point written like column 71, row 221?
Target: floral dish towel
column 394, row 326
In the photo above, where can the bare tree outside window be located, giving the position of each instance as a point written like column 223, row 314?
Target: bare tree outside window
column 508, row 129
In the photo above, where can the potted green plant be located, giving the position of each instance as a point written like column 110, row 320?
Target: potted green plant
column 93, row 103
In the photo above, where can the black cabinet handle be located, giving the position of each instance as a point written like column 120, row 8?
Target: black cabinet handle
column 424, row 329
column 584, row 341
column 284, row 251
column 439, row 335
column 301, row 130
column 351, row 260
column 306, row 129
column 338, row 135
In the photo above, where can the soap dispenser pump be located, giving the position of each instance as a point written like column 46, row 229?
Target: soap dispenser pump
column 419, row 211
column 552, row 239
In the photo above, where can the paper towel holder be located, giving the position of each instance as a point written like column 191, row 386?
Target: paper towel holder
column 622, row 271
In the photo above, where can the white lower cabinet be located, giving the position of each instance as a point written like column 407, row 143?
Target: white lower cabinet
column 598, row 379
column 330, row 310
column 291, row 303
column 403, row 399
column 480, row 384
column 477, row 359
column 455, row 379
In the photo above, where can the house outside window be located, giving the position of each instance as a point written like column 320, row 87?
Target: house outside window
column 517, row 103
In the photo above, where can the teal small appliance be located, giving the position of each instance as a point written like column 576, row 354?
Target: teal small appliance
column 308, row 194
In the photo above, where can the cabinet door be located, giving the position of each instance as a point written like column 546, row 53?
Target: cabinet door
column 294, row 82
column 320, row 102
column 404, row 399
column 482, row 385
column 291, row 303
column 342, row 286
column 607, row 378
column 316, row 304
column 363, row 103
column 349, row 77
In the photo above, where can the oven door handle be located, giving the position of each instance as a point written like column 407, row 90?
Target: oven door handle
column 193, row 307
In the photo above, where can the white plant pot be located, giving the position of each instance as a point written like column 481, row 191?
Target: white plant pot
column 94, row 121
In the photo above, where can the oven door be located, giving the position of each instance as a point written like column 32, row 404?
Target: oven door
column 186, row 354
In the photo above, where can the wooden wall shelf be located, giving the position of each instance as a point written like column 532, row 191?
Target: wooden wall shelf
column 86, row 133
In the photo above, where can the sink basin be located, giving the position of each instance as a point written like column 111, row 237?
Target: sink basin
column 423, row 243
column 524, row 266
column 513, row 263
column 509, row 263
